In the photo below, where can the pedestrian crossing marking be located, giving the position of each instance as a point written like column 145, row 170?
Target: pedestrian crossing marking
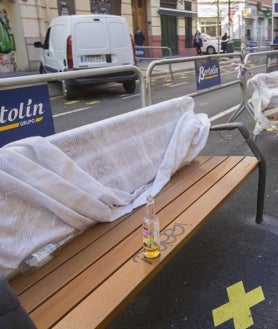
column 238, row 307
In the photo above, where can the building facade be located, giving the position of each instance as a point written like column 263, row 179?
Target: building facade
column 165, row 23
column 244, row 20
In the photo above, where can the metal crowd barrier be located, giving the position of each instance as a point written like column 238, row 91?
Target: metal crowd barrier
column 30, row 80
column 242, row 80
column 145, row 58
column 170, row 61
column 247, row 59
column 153, row 47
column 145, row 83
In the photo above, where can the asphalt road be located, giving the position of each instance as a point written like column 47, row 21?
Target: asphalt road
column 106, row 100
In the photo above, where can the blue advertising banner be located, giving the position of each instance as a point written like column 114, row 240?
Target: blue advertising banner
column 207, row 73
column 140, row 52
column 25, row 112
column 271, row 63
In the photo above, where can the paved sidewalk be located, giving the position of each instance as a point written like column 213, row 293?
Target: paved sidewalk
column 17, row 74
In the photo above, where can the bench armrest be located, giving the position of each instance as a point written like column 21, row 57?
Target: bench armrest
column 261, row 162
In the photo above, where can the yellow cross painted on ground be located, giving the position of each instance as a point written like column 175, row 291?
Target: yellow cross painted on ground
column 238, row 307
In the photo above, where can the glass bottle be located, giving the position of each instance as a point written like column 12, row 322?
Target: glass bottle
column 39, row 258
column 44, row 255
column 151, row 231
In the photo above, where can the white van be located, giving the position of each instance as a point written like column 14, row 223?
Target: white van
column 88, row 41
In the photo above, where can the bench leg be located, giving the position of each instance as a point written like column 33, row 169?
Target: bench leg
column 262, row 163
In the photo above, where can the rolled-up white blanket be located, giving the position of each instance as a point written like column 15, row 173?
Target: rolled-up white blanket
column 60, row 184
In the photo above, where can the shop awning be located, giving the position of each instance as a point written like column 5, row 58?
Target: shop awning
column 176, row 12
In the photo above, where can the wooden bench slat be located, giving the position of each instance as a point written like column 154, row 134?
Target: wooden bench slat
column 86, row 281
column 23, row 282
column 98, row 308
column 57, row 279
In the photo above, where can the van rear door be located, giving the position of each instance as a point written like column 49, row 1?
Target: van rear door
column 90, row 43
column 101, row 41
column 120, row 40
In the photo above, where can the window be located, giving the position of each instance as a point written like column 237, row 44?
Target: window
column 168, row 3
column 187, row 5
column 66, row 7
column 46, row 41
column 101, row 6
column 116, row 7
column 188, row 32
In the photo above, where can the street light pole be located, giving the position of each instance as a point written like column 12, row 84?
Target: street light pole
column 272, row 30
column 229, row 16
column 217, row 27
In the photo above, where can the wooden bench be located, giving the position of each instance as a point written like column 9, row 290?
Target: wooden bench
column 95, row 275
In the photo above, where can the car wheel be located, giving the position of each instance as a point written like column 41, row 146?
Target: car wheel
column 129, row 86
column 210, row 50
column 69, row 91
